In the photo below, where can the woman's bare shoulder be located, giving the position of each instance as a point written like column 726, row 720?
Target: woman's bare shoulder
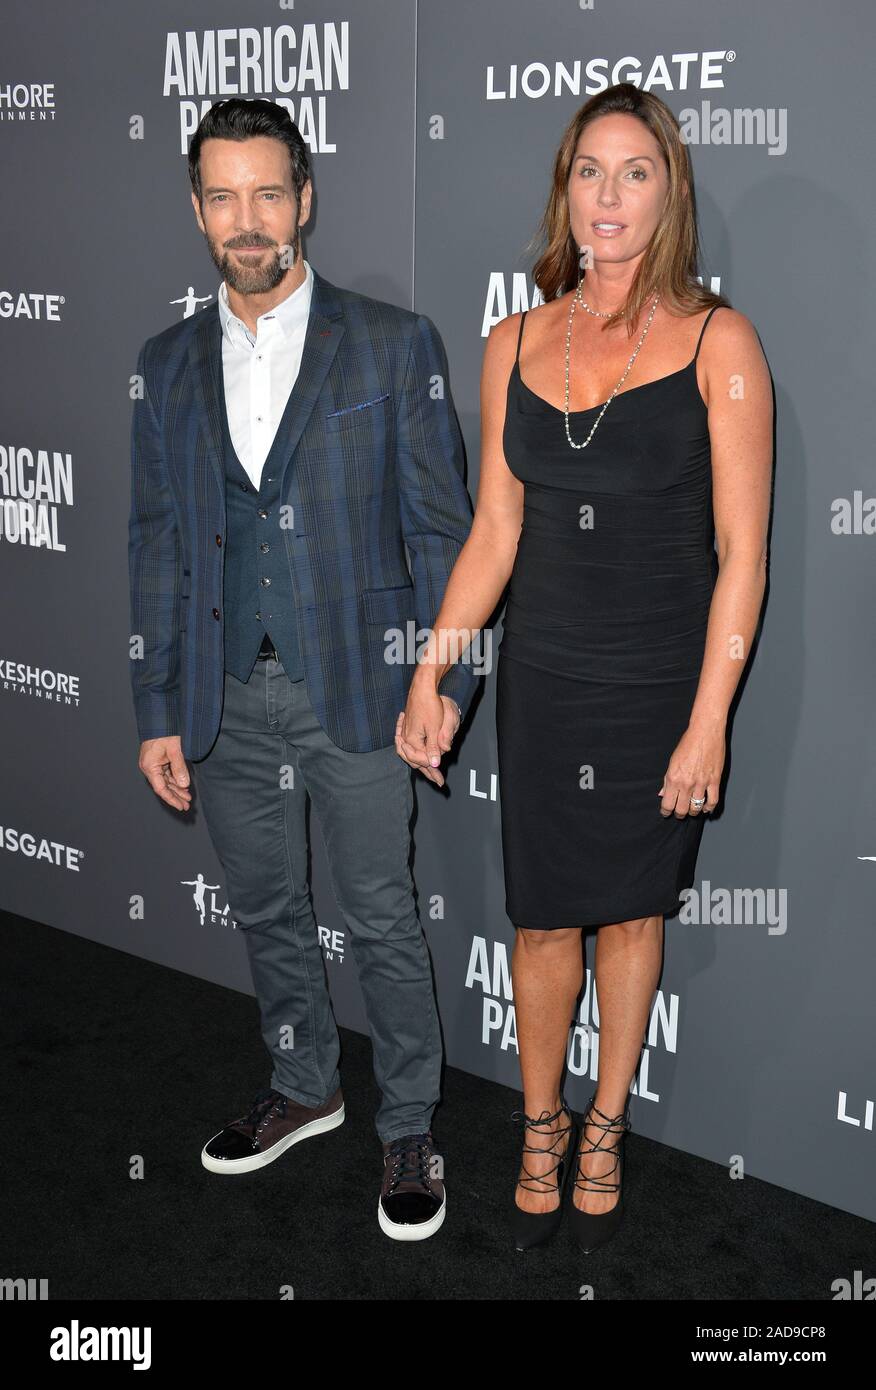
column 729, row 329
column 731, row 351
column 501, row 346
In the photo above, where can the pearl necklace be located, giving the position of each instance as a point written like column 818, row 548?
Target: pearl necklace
column 577, row 299
column 596, row 312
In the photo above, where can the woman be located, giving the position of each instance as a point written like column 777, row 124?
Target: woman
column 622, row 441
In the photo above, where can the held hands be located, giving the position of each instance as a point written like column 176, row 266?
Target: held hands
column 425, row 729
column 694, row 770
column 164, row 767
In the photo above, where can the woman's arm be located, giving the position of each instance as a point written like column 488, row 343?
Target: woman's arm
column 740, row 404
column 483, row 566
column 741, row 433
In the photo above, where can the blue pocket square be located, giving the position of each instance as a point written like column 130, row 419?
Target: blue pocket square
column 345, row 410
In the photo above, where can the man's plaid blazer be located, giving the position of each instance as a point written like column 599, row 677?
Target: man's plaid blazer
column 375, row 460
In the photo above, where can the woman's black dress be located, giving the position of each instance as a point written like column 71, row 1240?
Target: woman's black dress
column 603, row 642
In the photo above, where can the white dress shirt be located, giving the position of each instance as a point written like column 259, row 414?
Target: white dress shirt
column 260, row 371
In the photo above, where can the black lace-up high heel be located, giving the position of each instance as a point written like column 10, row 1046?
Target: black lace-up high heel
column 591, row 1229
column 533, row 1227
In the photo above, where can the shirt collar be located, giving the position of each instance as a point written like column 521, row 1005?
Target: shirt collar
column 290, row 315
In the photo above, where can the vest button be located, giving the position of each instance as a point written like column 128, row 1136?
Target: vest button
column 218, row 540
column 263, row 514
column 243, row 487
column 216, row 613
column 265, row 582
column 264, row 547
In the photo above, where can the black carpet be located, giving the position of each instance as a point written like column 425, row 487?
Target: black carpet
column 108, row 1057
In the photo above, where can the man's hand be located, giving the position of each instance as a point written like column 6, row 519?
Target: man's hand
column 164, row 767
column 425, row 729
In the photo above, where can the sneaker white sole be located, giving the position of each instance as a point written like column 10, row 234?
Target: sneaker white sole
column 232, row 1166
column 407, row 1230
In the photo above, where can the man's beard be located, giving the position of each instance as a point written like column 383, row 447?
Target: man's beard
column 263, row 275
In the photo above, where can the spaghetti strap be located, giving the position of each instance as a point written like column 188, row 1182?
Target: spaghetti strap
column 703, row 329
column 520, row 337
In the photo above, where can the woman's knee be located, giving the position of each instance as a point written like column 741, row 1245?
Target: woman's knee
column 635, row 927
column 557, row 939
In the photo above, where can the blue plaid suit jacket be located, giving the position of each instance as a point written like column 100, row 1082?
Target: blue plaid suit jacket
column 375, row 460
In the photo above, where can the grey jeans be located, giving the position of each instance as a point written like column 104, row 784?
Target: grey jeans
column 270, row 754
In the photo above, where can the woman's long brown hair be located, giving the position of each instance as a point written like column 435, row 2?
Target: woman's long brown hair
column 669, row 265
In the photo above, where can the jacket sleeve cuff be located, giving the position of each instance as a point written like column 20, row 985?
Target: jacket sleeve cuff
column 157, row 715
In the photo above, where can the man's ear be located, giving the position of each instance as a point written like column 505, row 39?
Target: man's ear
column 304, row 203
column 197, row 207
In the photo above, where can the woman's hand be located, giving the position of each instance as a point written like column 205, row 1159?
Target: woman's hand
column 694, row 770
column 425, row 729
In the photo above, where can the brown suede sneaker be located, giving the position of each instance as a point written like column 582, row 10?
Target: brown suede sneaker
column 274, row 1123
column 413, row 1201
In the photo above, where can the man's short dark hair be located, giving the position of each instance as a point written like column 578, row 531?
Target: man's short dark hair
column 235, row 119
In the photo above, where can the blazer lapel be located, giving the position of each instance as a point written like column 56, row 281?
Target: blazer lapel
column 325, row 329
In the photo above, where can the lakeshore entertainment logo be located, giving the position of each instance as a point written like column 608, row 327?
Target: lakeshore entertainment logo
column 191, row 302
column 34, row 484
column 33, row 847
column 488, row 969
column 676, row 72
column 333, row 944
column 27, row 101
column 308, row 60
column 207, row 905
column 39, row 683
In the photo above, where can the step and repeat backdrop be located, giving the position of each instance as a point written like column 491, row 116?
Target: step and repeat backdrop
column 432, row 130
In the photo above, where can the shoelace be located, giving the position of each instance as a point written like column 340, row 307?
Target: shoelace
column 410, row 1157
column 530, row 1123
column 618, row 1125
column 266, row 1102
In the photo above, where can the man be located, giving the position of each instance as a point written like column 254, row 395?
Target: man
column 290, row 440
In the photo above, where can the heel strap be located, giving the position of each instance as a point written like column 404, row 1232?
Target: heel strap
column 618, row 1124
column 531, row 1123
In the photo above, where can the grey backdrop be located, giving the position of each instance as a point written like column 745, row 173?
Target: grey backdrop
column 432, row 156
